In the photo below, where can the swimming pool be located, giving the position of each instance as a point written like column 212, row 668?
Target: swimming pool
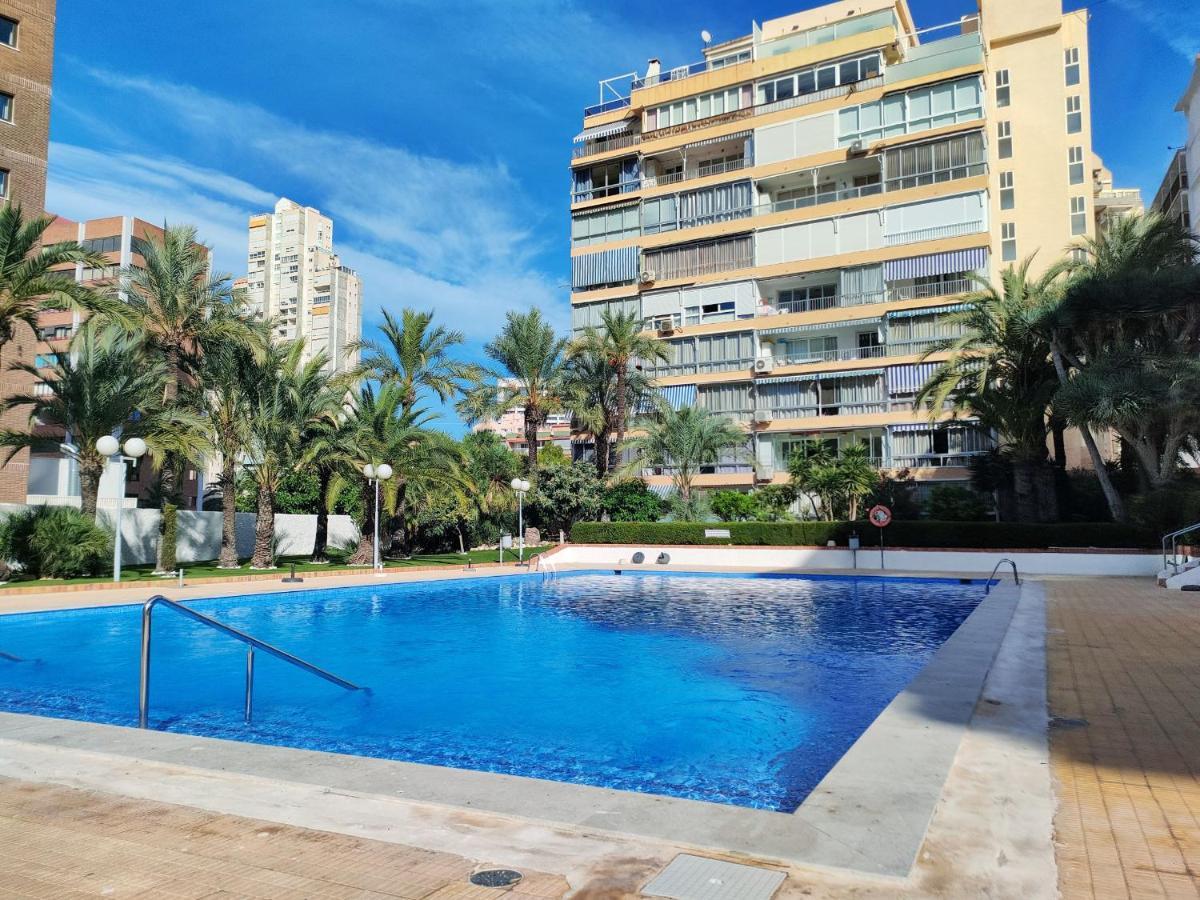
column 731, row 689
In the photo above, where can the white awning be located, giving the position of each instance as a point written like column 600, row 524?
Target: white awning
column 602, row 131
column 823, row 326
column 820, row 376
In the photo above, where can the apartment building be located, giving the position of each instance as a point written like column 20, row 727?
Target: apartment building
column 510, row 427
column 1187, row 160
column 53, row 477
column 26, row 65
column 295, row 277
column 1171, row 200
column 797, row 215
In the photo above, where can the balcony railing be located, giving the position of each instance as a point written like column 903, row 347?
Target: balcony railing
column 926, row 291
column 935, row 460
column 699, row 368
column 866, row 190
column 938, row 176
column 676, row 73
column 841, row 90
column 831, row 409
column 721, row 168
column 801, row 359
column 710, row 268
column 607, row 106
column 935, row 233
column 603, row 145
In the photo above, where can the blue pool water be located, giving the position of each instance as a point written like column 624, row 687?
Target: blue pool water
column 740, row 690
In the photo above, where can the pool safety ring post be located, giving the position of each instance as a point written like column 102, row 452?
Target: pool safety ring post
column 880, row 516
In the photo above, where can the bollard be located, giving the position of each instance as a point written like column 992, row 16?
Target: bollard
column 292, row 579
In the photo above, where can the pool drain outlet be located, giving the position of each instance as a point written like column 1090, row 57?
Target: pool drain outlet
column 496, row 878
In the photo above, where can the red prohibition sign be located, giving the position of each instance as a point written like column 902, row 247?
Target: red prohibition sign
column 880, row 516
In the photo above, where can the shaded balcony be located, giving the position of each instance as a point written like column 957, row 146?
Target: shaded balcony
column 815, row 187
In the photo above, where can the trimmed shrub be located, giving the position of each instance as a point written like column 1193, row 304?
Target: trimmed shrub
column 55, row 542
column 955, row 535
column 954, row 503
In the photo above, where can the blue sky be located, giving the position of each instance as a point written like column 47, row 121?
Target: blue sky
column 438, row 134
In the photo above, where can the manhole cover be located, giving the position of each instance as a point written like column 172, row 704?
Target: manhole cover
column 699, row 878
column 496, row 878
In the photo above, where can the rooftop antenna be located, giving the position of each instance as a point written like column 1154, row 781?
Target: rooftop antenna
column 706, row 36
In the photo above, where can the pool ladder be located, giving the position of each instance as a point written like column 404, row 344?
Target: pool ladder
column 252, row 644
column 1016, row 578
column 548, row 569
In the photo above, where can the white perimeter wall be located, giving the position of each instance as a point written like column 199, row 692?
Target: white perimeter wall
column 972, row 562
column 199, row 533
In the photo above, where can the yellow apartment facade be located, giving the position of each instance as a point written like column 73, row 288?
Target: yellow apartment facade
column 797, row 215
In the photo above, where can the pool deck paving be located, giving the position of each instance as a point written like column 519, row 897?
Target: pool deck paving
column 1121, row 656
column 1123, row 659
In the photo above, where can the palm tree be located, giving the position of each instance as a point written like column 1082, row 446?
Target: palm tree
column 1124, row 342
column 590, row 388
column 105, row 385
column 532, row 362
column 812, row 472
column 684, row 440
column 413, row 356
column 619, row 342
column 999, row 371
column 32, row 278
column 182, row 311
column 329, row 448
column 856, row 477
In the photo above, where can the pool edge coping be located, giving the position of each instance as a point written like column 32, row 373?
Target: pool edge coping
column 863, row 816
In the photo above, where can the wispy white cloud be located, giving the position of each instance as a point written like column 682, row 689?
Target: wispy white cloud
column 1178, row 28
column 422, row 230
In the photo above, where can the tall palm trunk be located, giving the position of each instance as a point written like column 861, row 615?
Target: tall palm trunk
column 321, row 539
column 89, row 487
column 229, row 554
column 531, row 433
column 364, row 553
column 1116, row 505
column 603, row 445
column 168, row 481
column 1023, row 488
column 622, row 405
column 1045, row 484
column 264, row 531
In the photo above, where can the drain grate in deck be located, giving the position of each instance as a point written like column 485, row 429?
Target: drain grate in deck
column 697, row 878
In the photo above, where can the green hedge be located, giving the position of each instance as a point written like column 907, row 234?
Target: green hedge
column 982, row 535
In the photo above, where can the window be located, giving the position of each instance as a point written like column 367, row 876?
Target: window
column 1003, row 97
column 1007, row 193
column 808, row 81
column 1004, row 135
column 1071, row 60
column 1075, row 165
column 807, row 349
column 913, row 165
column 8, row 31
column 701, row 107
column 1008, row 242
column 3, row 184
column 709, row 312
column 6, row 107
column 103, row 245
column 916, row 110
column 605, row 225
column 1074, row 115
column 1078, row 215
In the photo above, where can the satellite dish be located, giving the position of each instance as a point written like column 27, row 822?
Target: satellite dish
column 705, row 36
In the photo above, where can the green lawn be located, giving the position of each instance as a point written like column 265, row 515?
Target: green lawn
column 145, row 574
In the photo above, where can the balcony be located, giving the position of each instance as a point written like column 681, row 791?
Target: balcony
column 936, row 233
column 825, row 356
column 828, row 409
column 935, row 460
column 934, row 289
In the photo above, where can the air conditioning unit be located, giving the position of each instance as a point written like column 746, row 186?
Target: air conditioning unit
column 665, row 325
column 762, row 416
column 646, row 276
column 855, row 148
column 764, row 471
column 763, row 364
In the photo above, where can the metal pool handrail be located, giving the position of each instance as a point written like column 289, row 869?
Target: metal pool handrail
column 252, row 643
column 1173, row 537
column 987, row 589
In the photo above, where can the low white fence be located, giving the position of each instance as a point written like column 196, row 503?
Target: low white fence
column 790, row 559
column 199, row 533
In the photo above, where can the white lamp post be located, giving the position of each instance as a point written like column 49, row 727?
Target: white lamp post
column 381, row 472
column 135, row 448
column 521, row 486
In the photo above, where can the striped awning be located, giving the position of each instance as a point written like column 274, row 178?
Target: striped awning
column 948, row 263
column 605, row 267
column 661, row 490
column 927, row 311
column 920, row 426
column 909, row 379
column 823, row 326
column 602, row 131
column 822, row 376
column 678, row 396
column 741, row 135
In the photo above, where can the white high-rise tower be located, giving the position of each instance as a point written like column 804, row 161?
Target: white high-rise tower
column 295, row 277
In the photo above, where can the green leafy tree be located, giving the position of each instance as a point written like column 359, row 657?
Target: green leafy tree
column 999, row 371
column 531, row 363
column 55, row 542
column 106, row 385
column 629, row 500
column 683, row 440
column 1124, row 341
column 619, row 343
column 772, row 502
column 35, row 277
column 490, row 468
column 553, row 455
column 856, row 477
column 811, row 470
column 564, row 495
column 733, row 506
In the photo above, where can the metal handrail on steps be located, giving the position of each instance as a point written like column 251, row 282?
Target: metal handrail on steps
column 252, row 643
column 1173, row 537
column 1016, row 578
